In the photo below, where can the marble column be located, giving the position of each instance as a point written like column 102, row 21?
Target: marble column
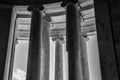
column 72, row 37
column 45, row 54
column 34, row 55
column 84, row 59
column 58, row 58
column 83, row 51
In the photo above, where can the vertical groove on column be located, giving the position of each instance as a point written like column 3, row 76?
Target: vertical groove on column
column 58, row 61
column 33, row 67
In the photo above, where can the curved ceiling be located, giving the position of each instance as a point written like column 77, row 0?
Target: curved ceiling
column 28, row 2
column 32, row 2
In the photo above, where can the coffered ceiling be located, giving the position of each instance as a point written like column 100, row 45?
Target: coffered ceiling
column 58, row 16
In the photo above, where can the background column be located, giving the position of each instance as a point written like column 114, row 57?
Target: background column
column 58, row 58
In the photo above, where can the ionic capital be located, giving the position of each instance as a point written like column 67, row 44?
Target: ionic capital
column 61, row 38
column 65, row 2
column 35, row 7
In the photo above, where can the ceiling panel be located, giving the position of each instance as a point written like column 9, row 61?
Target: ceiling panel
column 57, row 14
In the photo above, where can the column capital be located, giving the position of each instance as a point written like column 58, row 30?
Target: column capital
column 64, row 3
column 48, row 18
column 58, row 37
column 85, row 35
column 35, row 7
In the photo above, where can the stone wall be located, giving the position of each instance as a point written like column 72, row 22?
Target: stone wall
column 115, row 16
column 108, row 65
column 5, row 19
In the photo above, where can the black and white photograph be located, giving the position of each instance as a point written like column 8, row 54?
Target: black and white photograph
column 59, row 40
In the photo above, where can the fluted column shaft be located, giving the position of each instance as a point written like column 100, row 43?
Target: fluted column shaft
column 72, row 37
column 34, row 55
column 45, row 54
column 58, row 58
column 84, row 59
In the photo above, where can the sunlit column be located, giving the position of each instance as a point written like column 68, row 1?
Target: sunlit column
column 58, row 57
column 34, row 55
column 84, row 58
column 45, row 54
column 83, row 50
